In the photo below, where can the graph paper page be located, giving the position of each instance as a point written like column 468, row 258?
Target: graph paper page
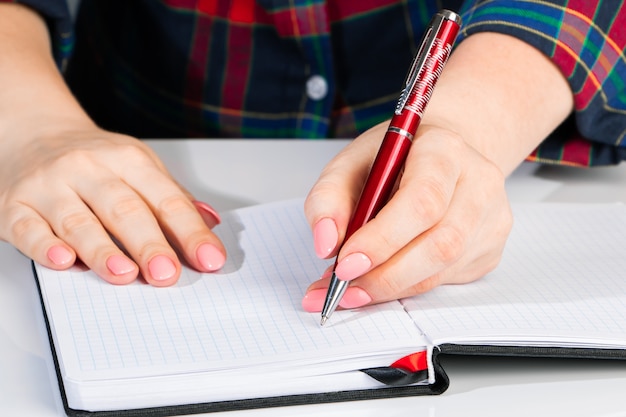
column 246, row 315
column 561, row 282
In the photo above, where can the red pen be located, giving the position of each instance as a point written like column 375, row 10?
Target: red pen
column 425, row 69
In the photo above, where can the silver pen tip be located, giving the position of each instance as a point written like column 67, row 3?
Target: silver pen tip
column 324, row 320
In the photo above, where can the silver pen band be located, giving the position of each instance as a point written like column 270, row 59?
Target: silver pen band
column 401, row 132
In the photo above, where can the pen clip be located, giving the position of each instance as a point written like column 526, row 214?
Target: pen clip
column 420, row 57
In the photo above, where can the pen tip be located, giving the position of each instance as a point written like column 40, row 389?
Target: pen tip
column 323, row 321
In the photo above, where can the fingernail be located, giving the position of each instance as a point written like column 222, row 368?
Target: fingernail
column 353, row 266
column 325, row 237
column 208, row 213
column 120, row 265
column 161, row 268
column 355, row 297
column 313, row 301
column 59, row 255
column 327, row 273
column 210, row 257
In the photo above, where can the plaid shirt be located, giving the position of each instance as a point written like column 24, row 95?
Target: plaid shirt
column 318, row 69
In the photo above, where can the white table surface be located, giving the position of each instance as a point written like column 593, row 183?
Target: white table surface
column 235, row 173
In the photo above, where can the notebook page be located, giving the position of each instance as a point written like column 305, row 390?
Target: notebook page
column 246, row 315
column 561, row 282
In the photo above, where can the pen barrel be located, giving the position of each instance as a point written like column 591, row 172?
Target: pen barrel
column 382, row 179
column 428, row 65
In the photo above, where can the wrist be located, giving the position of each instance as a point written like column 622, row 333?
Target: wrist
column 34, row 99
column 502, row 96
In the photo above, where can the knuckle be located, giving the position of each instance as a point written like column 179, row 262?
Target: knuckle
column 385, row 242
column 325, row 186
column 447, row 244
column 426, row 285
column 78, row 158
column 73, row 223
column 127, row 207
column 321, row 188
column 430, row 202
column 21, row 226
column 152, row 248
column 174, row 205
column 388, row 284
column 133, row 151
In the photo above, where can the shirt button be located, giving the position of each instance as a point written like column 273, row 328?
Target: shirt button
column 316, row 87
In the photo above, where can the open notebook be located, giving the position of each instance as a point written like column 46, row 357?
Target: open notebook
column 239, row 339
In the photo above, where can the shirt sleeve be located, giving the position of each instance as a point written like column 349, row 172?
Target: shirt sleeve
column 586, row 40
column 60, row 24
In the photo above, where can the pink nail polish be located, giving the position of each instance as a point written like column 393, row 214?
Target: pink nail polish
column 210, row 216
column 325, row 237
column 327, row 273
column 210, row 257
column 353, row 266
column 355, row 297
column 313, row 300
column 161, row 268
column 60, row 256
column 120, row 265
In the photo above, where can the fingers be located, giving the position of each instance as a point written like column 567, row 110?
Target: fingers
column 26, row 226
column 151, row 224
column 79, row 228
column 121, row 218
column 447, row 223
column 119, row 211
column 179, row 219
column 465, row 245
column 315, row 296
column 445, row 254
column 426, row 189
column 210, row 216
column 71, row 219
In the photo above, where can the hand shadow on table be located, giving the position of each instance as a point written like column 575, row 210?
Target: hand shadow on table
column 235, row 255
